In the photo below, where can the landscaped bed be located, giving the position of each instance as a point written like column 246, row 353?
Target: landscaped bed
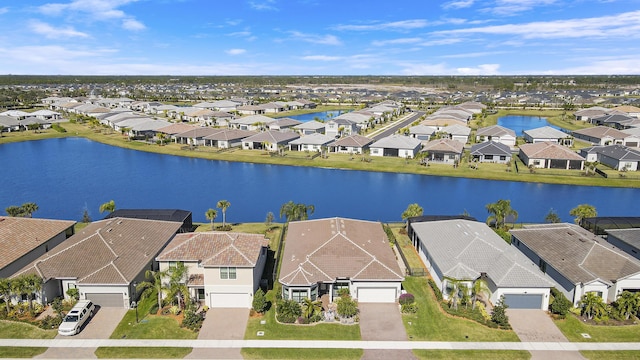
column 573, row 328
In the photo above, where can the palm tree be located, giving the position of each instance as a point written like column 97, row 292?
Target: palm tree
column 30, row 284
column 479, row 286
column 1, row 130
column 628, row 303
column 454, row 292
column 211, row 214
column 552, row 217
column 310, row 307
column 583, row 211
column 29, row 208
column 162, row 137
column 177, row 284
column 412, row 210
column 6, row 290
column 591, row 304
column 109, row 206
column 295, row 212
column 500, row 210
column 223, row 205
column 14, row 211
column 154, row 283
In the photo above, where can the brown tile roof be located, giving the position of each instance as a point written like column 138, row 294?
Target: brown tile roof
column 353, row 140
column 444, row 145
column 549, row 150
column 174, row 129
column 111, row 251
column 577, row 254
column 602, row 131
column 18, row 236
column 327, row 249
column 215, row 248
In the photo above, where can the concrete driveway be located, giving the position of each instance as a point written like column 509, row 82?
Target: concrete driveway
column 382, row 322
column 537, row 326
column 222, row 324
column 100, row 326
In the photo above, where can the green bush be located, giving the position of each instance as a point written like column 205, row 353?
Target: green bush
column 436, row 290
column 560, row 305
column 259, row 302
column 390, row 235
column 406, row 299
column 73, row 293
column 499, row 314
column 193, row 321
column 347, row 307
column 411, row 308
column 154, row 309
column 50, row 322
column 58, row 128
column 288, row 311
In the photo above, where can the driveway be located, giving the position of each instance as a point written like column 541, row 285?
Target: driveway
column 382, row 322
column 537, row 326
column 222, row 324
column 100, row 326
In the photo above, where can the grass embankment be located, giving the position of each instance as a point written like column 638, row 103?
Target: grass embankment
column 141, row 353
column 573, row 329
column 340, row 161
column 14, row 352
column 18, row 330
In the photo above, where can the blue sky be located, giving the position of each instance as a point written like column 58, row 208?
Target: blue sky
column 320, row 37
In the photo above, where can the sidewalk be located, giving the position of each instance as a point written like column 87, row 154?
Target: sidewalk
column 323, row 344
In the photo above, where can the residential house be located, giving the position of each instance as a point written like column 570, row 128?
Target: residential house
column 284, row 124
column 309, row 127
column 339, row 127
column 268, row 140
column 457, row 132
column 354, row 144
column 627, row 240
column 604, row 135
column 314, row 142
column 174, row 129
column 498, row 134
column 444, row 150
column 9, row 123
column 250, row 110
column 25, row 239
column 473, row 106
column 227, row 138
column 550, row 155
column 103, row 261
column 224, row 268
column 459, row 252
column 491, row 151
column 396, row 145
column 195, row 136
column 182, row 216
column 323, row 256
column 614, row 120
column 617, row 157
column 588, row 114
column 629, row 110
column 578, row 261
column 422, row 132
column 252, row 122
column 547, row 134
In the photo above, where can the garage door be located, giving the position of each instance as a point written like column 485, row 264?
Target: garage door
column 229, row 300
column 523, row 301
column 377, row 295
column 106, row 300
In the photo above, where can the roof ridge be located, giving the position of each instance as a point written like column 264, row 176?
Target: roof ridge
column 184, row 242
column 106, row 243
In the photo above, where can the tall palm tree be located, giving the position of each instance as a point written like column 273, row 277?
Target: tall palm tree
column 14, row 211
column 310, row 307
column 583, row 211
column 177, row 284
column 223, row 205
column 479, row 286
column 628, row 303
column 211, row 215
column 29, row 208
column 153, row 283
column 295, row 212
column 500, row 210
column 412, row 210
column 109, row 206
column 592, row 304
column 30, row 285
column 6, row 290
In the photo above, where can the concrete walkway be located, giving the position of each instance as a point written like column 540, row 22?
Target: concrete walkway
column 321, row 344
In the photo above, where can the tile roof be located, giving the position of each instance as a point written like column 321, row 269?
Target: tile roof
column 230, row 134
column 18, row 235
column 628, row 236
column 215, row 248
column 397, row 141
column 545, row 132
column 327, row 249
column 601, row 131
column 495, row 130
column 176, row 128
column 273, row 137
column 353, row 140
column 112, row 251
column 465, row 249
column 577, row 254
column 444, row 145
column 310, row 125
column 549, row 150
column 313, row 139
column 491, row 148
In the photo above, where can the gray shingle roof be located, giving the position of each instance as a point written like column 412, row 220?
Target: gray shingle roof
column 491, row 148
column 601, row 131
column 273, row 137
column 495, row 130
column 628, row 236
column 463, row 249
column 577, row 254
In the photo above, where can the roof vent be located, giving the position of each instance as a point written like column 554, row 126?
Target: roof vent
column 109, row 230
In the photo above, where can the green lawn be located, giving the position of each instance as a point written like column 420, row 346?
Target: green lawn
column 432, row 324
column 151, row 327
column 19, row 330
column 142, row 352
column 572, row 328
column 611, row 355
column 329, row 354
column 20, row 352
column 472, row 354
column 407, row 248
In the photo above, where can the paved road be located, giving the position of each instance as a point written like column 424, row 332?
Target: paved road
column 394, row 128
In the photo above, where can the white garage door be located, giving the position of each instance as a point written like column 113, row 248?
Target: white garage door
column 523, row 301
column 229, row 300
column 106, row 300
column 377, row 295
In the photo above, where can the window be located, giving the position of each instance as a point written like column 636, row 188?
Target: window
column 173, row 264
column 285, row 292
column 488, row 157
column 536, row 162
column 298, row 295
column 314, row 293
column 228, row 273
column 503, row 158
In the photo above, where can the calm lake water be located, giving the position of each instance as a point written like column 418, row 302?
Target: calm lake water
column 322, row 115
column 522, row 123
column 66, row 176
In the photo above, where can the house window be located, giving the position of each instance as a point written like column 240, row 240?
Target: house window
column 314, row 293
column 200, row 294
column 536, row 162
column 598, row 293
column 285, row 292
column 298, row 295
column 228, row 273
column 173, row 264
column 503, row 158
column 488, row 157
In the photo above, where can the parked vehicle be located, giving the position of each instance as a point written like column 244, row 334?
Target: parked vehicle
column 77, row 316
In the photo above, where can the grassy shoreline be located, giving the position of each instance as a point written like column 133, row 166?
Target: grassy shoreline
column 344, row 161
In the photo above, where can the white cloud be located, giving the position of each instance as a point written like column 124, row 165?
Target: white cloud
column 133, row 25
column 473, row 54
column 236, row 51
column 619, row 26
column 394, row 25
column 101, row 10
column 512, row 7
column 400, row 41
column 267, row 5
column 458, row 4
column 4, row 10
column 483, row 69
column 447, row 41
column 315, row 39
column 51, row 32
column 321, row 58
column 444, row 69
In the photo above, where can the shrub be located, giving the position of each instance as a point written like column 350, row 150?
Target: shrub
column 560, row 304
column 259, row 301
column 344, row 292
column 174, row 310
column 154, row 309
column 193, row 321
column 58, row 128
column 499, row 314
column 406, row 299
column 436, row 290
column 410, row 308
column 288, row 311
column 73, row 293
column 50, row 322
column 390, row 235
column 347, row 307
